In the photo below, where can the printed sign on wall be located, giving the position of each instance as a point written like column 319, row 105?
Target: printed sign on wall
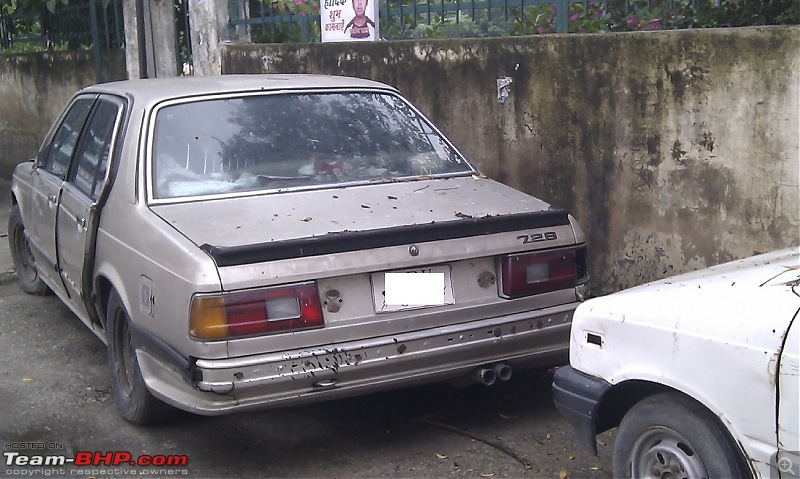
column 349, row 20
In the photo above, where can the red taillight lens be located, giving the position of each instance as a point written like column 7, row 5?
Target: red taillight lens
column 525, row 274
column 256, row 312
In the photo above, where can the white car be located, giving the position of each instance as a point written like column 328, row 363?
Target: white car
column 699, row 372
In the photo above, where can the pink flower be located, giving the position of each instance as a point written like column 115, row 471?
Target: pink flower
column 574, row 16
column 553, row 7
column 631, row 20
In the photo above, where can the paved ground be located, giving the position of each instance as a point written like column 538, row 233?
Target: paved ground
column 55, row 393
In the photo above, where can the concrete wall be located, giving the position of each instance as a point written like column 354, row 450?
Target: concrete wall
column 675, row 150
column 34, row 87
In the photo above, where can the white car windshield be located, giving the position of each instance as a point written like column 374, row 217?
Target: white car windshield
column 294, row 140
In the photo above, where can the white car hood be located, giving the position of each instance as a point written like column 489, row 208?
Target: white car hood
column 748, row 302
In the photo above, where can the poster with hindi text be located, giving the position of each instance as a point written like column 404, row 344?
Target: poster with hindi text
column 349, row 20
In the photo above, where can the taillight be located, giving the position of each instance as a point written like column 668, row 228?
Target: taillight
column 538, row 272
column 248, row 313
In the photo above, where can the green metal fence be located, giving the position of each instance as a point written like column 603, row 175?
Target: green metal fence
column 279, row 21
column 78, row 25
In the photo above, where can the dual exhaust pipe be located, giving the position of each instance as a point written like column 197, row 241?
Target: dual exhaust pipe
column 489, row 375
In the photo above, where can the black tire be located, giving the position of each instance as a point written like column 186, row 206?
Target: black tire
column 670, row 435
column 134, row 401
column 24, row 262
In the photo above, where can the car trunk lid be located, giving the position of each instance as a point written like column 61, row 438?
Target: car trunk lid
column 281, row 226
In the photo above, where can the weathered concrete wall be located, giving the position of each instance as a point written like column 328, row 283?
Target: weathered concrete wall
column 34, row 87
column 675, row 150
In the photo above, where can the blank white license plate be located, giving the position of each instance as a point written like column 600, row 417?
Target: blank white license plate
column 412, row 288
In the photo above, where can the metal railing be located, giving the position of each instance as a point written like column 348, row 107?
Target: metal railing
column 277, row 23
column 78, row 25
column 281, row 21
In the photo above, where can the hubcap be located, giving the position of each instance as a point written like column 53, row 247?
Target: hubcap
column 662, row 453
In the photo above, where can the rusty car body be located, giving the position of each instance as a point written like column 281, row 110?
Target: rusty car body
column 230, row 239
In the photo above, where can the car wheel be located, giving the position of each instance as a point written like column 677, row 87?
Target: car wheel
column 134, row 401
column 24, row 262
column 670, row 435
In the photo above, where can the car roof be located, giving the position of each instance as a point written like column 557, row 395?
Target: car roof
column 158, row 89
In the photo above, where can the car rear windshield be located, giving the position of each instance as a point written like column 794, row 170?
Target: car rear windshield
column 298, row 140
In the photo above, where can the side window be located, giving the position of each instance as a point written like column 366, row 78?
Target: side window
column 95, row 149
column 63, row 143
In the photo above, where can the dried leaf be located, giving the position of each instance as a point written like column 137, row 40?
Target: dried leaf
column 563, row 474
column 549, row 436
column 306, row 219
column 27, row 380
column 487, row 474
column 392, row 197
column 441, row 456
column 365, row 206
column 571, row 457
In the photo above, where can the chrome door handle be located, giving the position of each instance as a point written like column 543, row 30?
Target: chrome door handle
column 81, row 221
column 52, row 199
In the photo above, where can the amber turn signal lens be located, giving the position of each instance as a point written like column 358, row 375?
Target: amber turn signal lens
column 207, row 319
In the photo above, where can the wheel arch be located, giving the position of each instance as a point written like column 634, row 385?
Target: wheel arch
column 616, row 403
column 105, row 281
column 103, row 288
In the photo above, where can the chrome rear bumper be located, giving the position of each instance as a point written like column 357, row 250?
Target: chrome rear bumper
column 530, row 339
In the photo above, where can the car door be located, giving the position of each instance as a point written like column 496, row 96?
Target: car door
column 47, row 179
column 87, row 175
column 788, row 398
